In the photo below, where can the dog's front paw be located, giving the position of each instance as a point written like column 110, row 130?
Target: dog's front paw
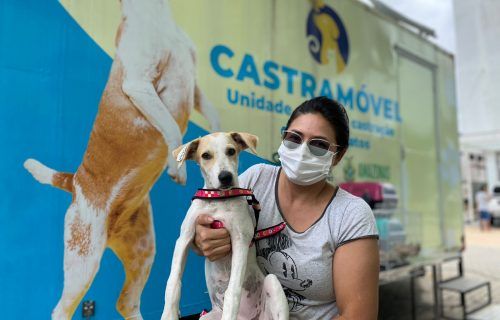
column 215, row 124
column 179, row 175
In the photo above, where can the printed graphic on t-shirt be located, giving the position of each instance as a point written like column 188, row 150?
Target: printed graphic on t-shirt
column 273, row 258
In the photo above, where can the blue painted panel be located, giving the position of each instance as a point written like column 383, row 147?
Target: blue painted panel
column 51, row 79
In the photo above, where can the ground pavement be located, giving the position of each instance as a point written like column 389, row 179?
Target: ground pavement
column 481, row 260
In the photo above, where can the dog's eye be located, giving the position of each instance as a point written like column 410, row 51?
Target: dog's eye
column 231, row 151
column 206, row 156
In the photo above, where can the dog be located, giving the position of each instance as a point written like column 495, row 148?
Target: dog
column 237, row 287
column 143, row 113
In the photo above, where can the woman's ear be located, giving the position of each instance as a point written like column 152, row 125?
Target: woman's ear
column 339, row 156
column 186, row 152
column 245, row 140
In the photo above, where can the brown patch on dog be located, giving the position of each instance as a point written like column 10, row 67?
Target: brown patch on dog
column 134, row 245
column 160, row 68
column 80, row 237
column 245, row 140
column 117, row 147
column 195, row 149
column 133, row 218
column 63, row 180
column 205, row 145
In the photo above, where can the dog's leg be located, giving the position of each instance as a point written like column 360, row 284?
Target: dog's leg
column 206, row 108
column 84, row 243
column 232, row 296
column 145, row 98
column 212, row 315
column 274, row 303
column 134, row 244
column 173, row 289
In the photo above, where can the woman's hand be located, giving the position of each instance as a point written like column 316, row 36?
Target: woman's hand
column 211, row 243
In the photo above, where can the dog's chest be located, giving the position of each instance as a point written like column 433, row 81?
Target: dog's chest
column 235, row 213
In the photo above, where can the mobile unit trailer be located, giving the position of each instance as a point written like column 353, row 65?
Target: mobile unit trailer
column 256, row 61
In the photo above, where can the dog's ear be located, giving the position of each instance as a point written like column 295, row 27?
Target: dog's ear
column 245, row 140
column 186, row 152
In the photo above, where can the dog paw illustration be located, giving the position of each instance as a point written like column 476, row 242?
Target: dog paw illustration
column 170, row 316
column 215, row 124
column 226, row 317
column 179, row 175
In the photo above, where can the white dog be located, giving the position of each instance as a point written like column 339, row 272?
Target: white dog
column 144, row 110
column 235, row 280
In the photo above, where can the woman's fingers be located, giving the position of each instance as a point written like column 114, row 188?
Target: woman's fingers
column 219, row 252
column 208, row 239
column 220, row 242
column 207, row 232
column 212, row 243
column 211, row 247
column 204, row 233
column 204, row 219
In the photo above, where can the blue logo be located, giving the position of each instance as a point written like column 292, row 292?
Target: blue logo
column 327, row 36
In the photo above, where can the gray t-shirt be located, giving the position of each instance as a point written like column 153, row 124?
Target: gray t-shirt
column 302, row 261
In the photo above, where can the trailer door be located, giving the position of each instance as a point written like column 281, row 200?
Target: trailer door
column 420, row 194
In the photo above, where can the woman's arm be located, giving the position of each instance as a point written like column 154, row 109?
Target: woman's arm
column 355, row 279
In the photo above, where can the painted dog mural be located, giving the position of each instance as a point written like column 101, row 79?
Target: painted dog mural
column 143, row 114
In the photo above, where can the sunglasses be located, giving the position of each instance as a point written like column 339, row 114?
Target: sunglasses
column 317, row 146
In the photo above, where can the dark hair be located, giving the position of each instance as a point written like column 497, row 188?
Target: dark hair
column 332, row 111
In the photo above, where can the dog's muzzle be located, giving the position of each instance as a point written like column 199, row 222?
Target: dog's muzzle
column 226, row 179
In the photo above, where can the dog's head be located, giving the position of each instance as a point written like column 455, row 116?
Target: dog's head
column 217, row 154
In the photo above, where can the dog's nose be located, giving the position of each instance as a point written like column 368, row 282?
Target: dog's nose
column 225, row 178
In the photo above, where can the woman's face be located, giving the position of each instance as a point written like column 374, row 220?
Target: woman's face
column 314, row 125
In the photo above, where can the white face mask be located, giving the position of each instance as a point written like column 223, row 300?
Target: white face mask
column 302, row 167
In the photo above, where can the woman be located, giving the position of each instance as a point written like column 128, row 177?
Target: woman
column 326, row 258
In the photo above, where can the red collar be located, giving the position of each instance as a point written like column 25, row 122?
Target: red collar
column 222, row 194
column 269, row 232
column 217, row 194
